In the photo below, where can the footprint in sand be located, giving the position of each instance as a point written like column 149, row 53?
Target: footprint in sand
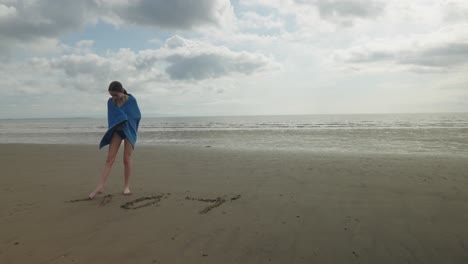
column 138, row 203
column 351, row 224
column 105, row 200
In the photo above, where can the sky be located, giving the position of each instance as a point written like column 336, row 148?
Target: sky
column 238, row 57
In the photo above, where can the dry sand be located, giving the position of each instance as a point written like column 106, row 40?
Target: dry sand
column 209, row 205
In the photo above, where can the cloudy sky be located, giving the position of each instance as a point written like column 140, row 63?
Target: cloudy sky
column 238, row 57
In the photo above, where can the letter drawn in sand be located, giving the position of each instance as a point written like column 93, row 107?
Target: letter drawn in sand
column 150, row 200
column 104, row 200
column 216, row 202
column 136, row 204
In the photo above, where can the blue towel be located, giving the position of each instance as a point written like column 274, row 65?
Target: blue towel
column 128, row 114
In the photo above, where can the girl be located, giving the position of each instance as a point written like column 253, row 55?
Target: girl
column 123, row 117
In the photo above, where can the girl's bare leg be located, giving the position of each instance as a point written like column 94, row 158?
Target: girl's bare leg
column 128, row 150
column 111, row 154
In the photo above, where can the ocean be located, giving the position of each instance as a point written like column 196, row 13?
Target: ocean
column 432, row 134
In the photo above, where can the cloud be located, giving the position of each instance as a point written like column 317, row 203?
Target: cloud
column 346, row 8
column 174, row 14
column 191, row 60
column 87, row 64
column 91, row 72
column 25, row 22
column 456, row 10
column 440, row 56
column 175, row 42
column 181, row 60
column 433, row 52
column 7, row 11
column 26, row 79
column 338, row 12
column 212, row 65
column 45, row 18
column 253, row 22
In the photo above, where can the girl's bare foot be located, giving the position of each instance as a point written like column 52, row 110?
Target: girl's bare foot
column 127, row 191
column 96, row 192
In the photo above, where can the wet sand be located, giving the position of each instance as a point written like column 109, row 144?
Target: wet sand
column 209, row 205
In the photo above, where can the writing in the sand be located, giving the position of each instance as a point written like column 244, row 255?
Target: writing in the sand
column 156, row 199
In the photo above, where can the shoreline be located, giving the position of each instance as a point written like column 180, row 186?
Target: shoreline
column 264, row 150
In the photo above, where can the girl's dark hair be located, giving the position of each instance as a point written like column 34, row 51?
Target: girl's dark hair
column 116, row 86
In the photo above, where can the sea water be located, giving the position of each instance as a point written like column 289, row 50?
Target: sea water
column 438, row 133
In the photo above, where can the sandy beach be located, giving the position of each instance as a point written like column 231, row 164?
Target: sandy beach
column 212, row 205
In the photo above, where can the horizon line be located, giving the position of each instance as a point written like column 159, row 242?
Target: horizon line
column 182, row 116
